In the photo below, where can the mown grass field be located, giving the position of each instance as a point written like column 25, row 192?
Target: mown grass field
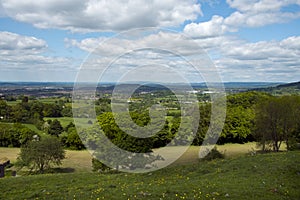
column 273, row 176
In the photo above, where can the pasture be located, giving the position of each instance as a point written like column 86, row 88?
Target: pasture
column 79, row 161
column 273, row 176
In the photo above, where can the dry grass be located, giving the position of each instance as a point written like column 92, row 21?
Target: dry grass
column 80, row 161
column 10, row 153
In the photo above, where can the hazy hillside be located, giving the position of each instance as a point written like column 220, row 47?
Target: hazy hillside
column 282, row 89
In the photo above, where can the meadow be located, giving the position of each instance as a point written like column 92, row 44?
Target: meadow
column 80, row 161
column 262, row 176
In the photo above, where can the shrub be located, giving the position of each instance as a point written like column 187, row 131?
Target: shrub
column 213, row 154
column 99, row 166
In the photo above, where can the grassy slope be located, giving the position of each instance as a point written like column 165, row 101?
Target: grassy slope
column 269, row 176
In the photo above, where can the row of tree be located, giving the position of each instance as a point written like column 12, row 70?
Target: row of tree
column 32, row 111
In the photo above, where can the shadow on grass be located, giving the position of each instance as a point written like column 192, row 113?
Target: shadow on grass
column 60, row 170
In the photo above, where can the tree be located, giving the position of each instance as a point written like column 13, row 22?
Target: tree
column 3, row 110
column 39, row 155
column 15, row 135
column 116, row 147
column 238, row 125
column 277, row 121
column 55, row 128
column 71, row 139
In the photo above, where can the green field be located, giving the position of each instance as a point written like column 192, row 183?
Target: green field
column 273, row 176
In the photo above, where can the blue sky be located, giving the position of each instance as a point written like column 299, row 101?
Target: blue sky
column 247, row 40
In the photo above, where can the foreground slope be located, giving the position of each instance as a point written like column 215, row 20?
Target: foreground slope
column 268, row 176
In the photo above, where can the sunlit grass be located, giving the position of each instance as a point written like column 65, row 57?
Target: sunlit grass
column 270, row 176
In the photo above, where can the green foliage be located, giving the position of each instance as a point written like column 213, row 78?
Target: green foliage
column 99, row 166
column 277, row 121
column 246, row 99
column 31, row 111
column 71, row 139
column 15, row 135
column 104, row 146
column 213, row 154
column 54, row 128
column 67, row 111
column 238, row 127
column 38, row 155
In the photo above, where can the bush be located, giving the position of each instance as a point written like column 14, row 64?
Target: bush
column 99, row 166
column 213, row 154
column 293, row 144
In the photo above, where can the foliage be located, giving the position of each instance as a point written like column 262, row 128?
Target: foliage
column 15, row 135
column 71, row 139
column 38, row 155
column 213, row 154
column 105, row 147
column 54, row 127
column 32, row 111
column 99, row 166
column 238, row 127
column 277, row 121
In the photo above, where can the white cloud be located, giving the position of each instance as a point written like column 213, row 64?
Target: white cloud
column 102, row 15
column 260, row 12
column 212, row 28
column 25, row 52
column 249, row 13
column 261, row 61
column 258, row 6
column 291, row 43
column 11, row 43
column 170, row 41
column 236, row 59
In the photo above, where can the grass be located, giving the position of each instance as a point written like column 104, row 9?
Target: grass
column 77, row 161
column 80, row 161
column 268, row 176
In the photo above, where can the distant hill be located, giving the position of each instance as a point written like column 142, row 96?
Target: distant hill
column 295, row 85
column 282, row 89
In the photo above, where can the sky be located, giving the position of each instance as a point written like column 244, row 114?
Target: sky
column 246, row 40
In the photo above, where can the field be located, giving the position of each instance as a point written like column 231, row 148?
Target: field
column 80, row 161
column 266, row 176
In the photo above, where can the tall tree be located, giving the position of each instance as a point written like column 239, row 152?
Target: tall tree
column 276, row 121
column 55, row 128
